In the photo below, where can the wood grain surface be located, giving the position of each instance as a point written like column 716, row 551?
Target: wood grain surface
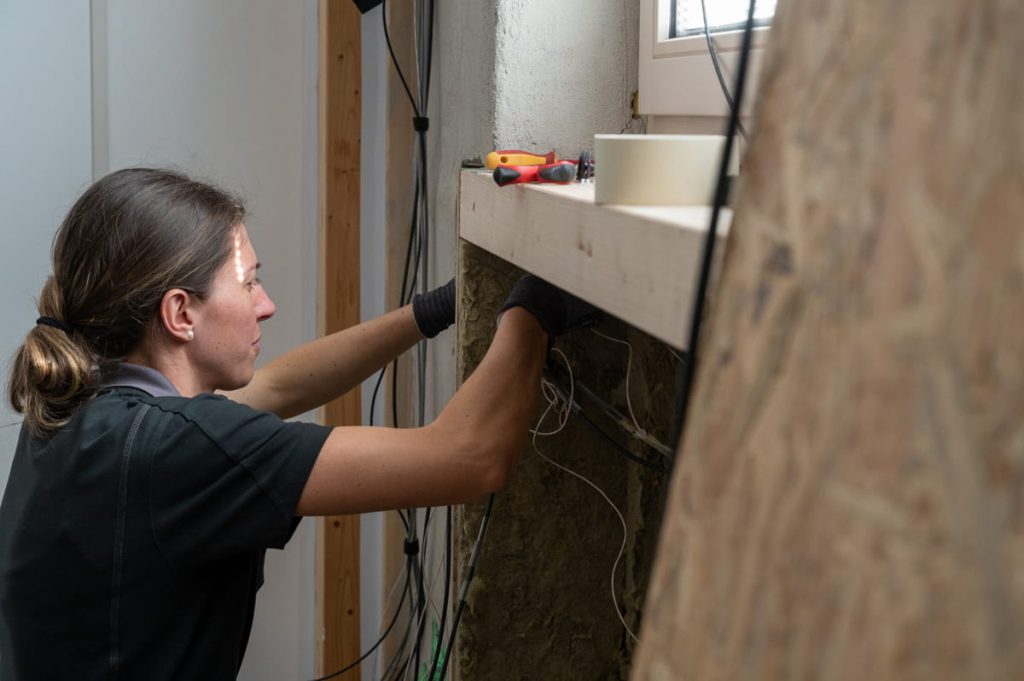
column 849, row 498
column 339, row 88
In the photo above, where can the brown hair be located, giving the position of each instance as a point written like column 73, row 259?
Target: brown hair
column 131, row 237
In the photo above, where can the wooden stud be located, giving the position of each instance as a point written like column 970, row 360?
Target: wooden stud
column 339, row 99
column 637, row 263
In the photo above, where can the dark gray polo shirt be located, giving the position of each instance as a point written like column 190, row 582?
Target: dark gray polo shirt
column 132, row 548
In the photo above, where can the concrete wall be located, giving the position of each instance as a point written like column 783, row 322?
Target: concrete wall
column 536, row 75
column 524, row 74
column 462, row 110
column 563, row 72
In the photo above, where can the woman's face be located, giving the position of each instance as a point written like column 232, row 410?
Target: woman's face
column 227, row 327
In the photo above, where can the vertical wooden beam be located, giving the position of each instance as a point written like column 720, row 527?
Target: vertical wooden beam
column 339, row 102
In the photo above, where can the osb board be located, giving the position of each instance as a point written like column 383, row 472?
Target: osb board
column 849, row 498
column 540, row 606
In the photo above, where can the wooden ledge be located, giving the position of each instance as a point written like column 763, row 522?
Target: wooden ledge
column 638, row 263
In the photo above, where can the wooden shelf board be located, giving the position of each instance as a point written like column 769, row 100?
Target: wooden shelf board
column 638, row 263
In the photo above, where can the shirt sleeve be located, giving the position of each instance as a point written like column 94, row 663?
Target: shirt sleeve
column 225, row 478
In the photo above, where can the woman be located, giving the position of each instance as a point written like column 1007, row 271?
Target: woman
column 140, row 501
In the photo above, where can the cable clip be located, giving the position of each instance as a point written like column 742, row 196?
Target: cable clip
column 420, row 123
column 412, row 547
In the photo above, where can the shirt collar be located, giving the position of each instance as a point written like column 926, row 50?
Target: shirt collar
column 146, row 379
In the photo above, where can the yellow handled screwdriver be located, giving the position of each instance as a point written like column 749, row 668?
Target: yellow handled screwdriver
column 516, row 157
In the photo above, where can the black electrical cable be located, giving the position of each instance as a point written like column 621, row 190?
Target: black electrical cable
column 555, row 370
column 474, row 556
column 419, row 233
column 394, row 667
column 447, row 590
column 394, row 59
column 688, row 367
column 417, row 265
column 399, row 671
column 422, row 592
column 380, row 640
column 718, row 67
column 618, row 448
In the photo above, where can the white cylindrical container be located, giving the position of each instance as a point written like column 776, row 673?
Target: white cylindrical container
column 658, row 170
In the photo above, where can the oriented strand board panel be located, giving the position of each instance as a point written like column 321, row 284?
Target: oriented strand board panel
column 849, row 498
column 637, row 263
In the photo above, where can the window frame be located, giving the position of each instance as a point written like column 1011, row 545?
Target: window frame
column 676, row 75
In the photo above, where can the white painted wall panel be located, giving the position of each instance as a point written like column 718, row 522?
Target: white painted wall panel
column 45, row 160
column 225, row 90
column 371, row 292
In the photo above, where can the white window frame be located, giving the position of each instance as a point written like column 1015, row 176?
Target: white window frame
column 677, row 77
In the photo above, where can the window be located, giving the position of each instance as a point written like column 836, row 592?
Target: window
column 687, row 16
column 677, row 77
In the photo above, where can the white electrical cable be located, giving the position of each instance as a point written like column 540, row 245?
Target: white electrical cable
column 550, row 393
column 640, row 432
column 622, row 520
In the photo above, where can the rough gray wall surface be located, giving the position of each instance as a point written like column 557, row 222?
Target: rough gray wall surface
column 540, row 606
column 540, row 75
column 564, row 71
column 461, row 110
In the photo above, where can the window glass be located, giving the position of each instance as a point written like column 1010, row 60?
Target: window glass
column 723, row 15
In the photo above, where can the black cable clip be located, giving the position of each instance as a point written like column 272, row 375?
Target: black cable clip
column 420, row 123
column 412, row 547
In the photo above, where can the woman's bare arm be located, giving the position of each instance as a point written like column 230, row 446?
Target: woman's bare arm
column 316, row 373
column 466, row 453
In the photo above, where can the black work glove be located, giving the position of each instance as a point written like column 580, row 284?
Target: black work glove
column 556, row 310
column 434, row 311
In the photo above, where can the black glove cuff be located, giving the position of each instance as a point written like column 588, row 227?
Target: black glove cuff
column 556, row 310
column 540, row 299
column 434, row 311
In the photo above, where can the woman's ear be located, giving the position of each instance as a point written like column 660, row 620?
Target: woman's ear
column 177, row 314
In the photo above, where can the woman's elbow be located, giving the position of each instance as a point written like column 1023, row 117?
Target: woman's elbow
column 495, row 479
column 493, row 463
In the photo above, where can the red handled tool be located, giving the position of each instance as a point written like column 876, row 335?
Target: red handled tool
column 561, row 172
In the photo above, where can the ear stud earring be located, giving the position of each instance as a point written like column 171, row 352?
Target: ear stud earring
column 190, row 334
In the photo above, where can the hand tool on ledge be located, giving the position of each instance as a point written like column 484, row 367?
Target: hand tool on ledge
column 516, row 157
column 561, row 172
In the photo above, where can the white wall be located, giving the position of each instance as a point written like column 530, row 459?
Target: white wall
column 371, row 290
column 45, row 159
column 226, row 90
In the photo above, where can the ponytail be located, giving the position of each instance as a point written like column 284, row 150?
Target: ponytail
column 52, row 373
